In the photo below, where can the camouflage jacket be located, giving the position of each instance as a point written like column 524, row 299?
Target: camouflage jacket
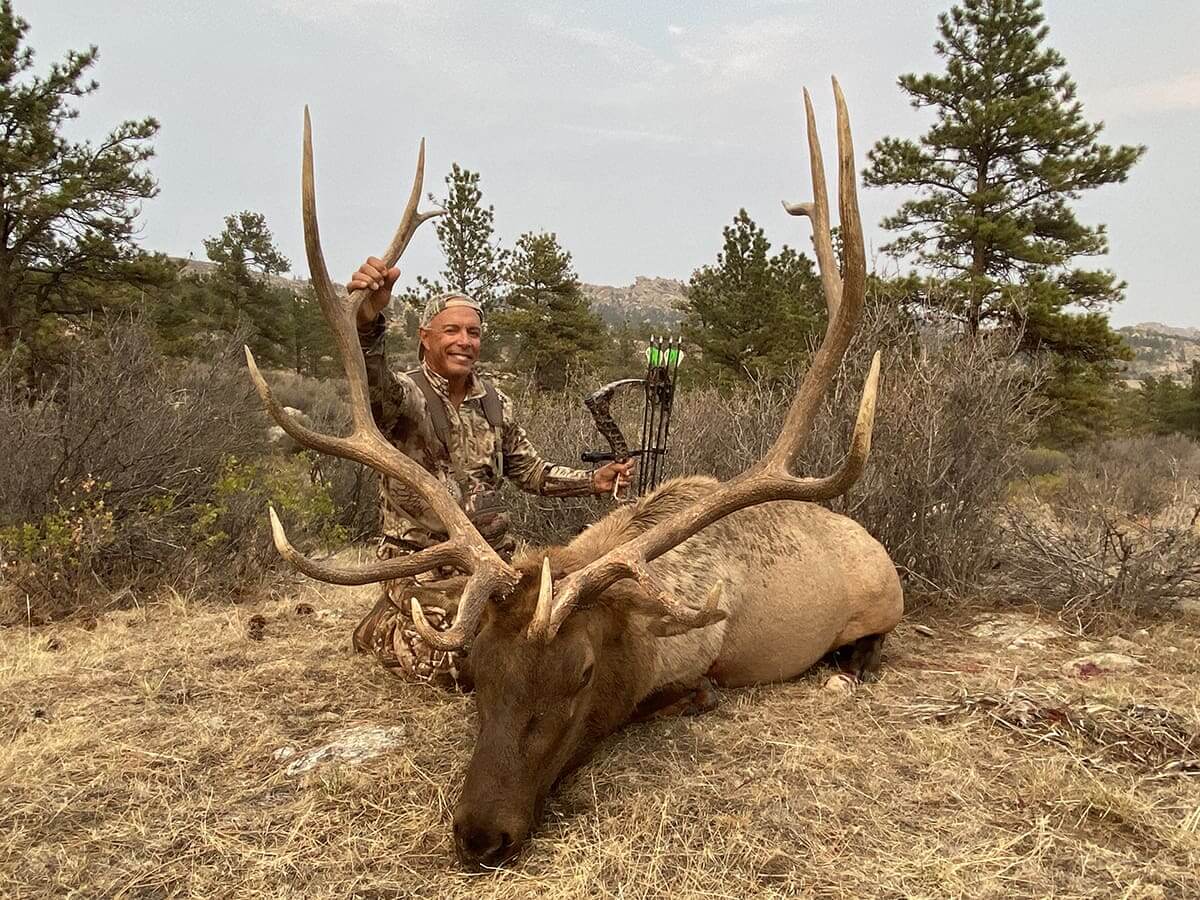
column 469, row 472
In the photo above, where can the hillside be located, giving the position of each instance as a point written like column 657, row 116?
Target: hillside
column 1161, row 349
column 649, row 301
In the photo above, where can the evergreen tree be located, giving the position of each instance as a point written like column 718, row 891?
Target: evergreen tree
column 68, row 209
column 995, row 176
column 1009, row 150
column 282, row 322
column 547, row 325
column 753, row 313
column 475, row 262
column 1172, row 407
column 247, row 258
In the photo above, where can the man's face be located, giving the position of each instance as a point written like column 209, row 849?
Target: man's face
column 451, row 341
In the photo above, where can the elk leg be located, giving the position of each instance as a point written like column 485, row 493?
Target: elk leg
column 864, row 658
column 677, row 700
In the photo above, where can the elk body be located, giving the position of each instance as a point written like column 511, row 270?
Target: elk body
column 700, row 583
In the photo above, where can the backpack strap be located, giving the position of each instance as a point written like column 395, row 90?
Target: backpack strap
column 493, row 411
column 435, row 408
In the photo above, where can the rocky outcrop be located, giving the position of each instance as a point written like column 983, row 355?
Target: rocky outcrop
column 648, row 301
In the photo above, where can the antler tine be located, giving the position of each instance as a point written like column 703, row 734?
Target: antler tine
column 678, row 618
column 465, row 548
column 772, row 478
column 850, row 293
column 818, row 212
column 443, row 554
column 545, row 602
column 339, row 313
column 481, row 587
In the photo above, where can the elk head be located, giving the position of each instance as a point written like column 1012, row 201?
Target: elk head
column 556, row 667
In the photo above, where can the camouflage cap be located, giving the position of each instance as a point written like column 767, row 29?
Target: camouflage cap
column 441, row 303
column 448, row 301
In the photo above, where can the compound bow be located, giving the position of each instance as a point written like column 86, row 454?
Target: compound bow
column 662, row 367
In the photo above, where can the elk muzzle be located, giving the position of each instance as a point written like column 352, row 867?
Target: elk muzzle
column 496, row 811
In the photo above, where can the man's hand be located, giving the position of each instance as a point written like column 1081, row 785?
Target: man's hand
column 373, row 276
column 610, row 479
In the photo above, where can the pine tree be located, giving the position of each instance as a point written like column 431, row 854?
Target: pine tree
column 68, row 209
column 474, row 261
column 995, row 176
column 752, row 314
column 247, row 258
column 282, row 323
column 546, row 324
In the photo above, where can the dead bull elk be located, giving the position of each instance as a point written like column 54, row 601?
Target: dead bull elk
column 700, row 582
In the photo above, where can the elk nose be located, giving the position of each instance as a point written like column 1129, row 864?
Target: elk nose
column 483, row 846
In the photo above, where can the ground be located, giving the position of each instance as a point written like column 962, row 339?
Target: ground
column 167, row 751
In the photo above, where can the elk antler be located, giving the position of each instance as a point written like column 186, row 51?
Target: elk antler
column 464, row 547
column 771, row 478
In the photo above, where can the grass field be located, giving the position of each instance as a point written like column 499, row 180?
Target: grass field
column 149, row 756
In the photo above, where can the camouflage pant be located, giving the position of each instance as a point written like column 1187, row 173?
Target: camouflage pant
column 388, row 632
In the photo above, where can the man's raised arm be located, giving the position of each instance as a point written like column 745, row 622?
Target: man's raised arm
column 392, row 399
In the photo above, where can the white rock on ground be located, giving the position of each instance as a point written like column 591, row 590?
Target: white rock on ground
column 1017, row 631
column 1120, row 644
column 839, row 684
column 1099, row 664
column 352, row 746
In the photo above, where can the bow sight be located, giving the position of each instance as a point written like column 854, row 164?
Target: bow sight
column 662, row 365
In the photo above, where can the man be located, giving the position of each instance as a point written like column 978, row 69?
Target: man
column 462, row 430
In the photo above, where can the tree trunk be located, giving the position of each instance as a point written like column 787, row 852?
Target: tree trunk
column 975, row 295
column 8, row 306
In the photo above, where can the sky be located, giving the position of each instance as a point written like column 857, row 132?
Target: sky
column 634, row 130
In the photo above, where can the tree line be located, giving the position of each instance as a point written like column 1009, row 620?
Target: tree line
column 988, row 240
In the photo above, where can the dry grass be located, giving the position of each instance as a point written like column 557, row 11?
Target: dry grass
column 138, row 760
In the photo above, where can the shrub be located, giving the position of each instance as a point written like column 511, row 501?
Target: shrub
column 130, row 472
column 353, row 488
column 1117, row 531
column 1041, row 461
column 951, row 425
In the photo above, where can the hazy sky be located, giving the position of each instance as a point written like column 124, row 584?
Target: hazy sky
column 634, row 130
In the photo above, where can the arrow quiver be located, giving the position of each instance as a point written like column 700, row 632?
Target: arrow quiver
column 658, row 387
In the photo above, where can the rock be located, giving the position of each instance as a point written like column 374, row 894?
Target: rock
column 1099, row 664
column 1120, row 644
column 279, row 438
column 1142, row 636
column 352, row 746
column 1025, row 643
column 1017, row 630
column 1190, row 608
column 839, row 685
